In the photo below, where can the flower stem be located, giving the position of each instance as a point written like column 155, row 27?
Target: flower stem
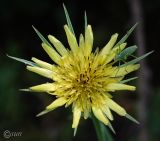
column 101, row 131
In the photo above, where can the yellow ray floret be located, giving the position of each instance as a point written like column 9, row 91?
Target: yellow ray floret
column 99, row 115
column 42, row 63
column 76, row 116
column 47, row 87
column 71, row 39
column 109, row 45
column 88, row 41
column 57, row 103
column 58, row 45
column 117, row 86
column 115, row 107
column 52, row 53
column 41, row 71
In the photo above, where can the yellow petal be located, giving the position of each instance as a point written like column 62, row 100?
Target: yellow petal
column 57, row 103
column 41, row 71
column 42, row 63
column 107, row 112
column 58, row 45
column 88, row 40
column 115, row 107
column 52, row 53
column 71, row 40
column 124, row 70
column 99, row 115
column 76, row 117
column 81, row 41
column 114, row 52
column 48, row 87
column 117, row 86
column 109, row 45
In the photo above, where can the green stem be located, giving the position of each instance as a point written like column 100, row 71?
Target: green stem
column 101, row 131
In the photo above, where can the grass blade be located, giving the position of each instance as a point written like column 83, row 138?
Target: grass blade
column 68, row 19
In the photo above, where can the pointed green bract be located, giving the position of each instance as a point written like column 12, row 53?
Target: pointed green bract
column 25, row 90
column 68, row 19
column 41, row 37
column 124, row 38
column 43, row 112
column 112, row 129
column 22, row 61
column 131, row 118
column 75, row 131
column 127, row 80
column 137, row 59
column 85, row 20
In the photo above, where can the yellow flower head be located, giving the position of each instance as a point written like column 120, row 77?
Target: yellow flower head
column 84, row 78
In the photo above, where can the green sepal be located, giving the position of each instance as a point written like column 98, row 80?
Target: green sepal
column 127, row 80
column 41, row 37
column 85, row 21
column 112, row 129
column 75, row 131
column 136, row 60
column 26, row 90
column 68, row 19
column 131, row 118
column 22, row 61
column 125, row 37
column 43, row 112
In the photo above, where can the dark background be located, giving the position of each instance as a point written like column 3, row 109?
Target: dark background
column 18, row 109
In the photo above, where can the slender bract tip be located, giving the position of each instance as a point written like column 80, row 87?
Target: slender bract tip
column 34, row 27
column 69, row 23
column 112, row 129
column 131, row 118
column 42, row 113
column 25, row 90
column 75, row 131
column 85, row 20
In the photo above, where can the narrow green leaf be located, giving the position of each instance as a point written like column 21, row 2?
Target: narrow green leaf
column 127, row 80
column 131, row 118
column 125, row 37
column 23, row 61
column 137, row 59
column 68, row 19
column 41, row 37
column 85, row 20
column 101, row 131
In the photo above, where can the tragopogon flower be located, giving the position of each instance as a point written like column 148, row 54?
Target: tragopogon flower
column 82, row 77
